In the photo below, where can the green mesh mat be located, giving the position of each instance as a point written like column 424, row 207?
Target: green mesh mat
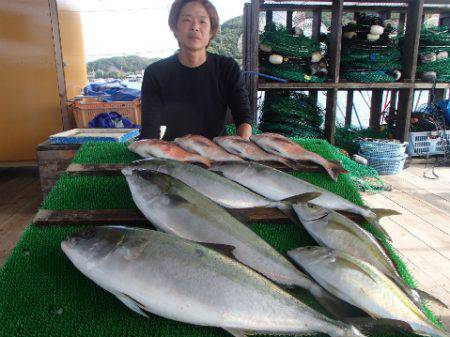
column 285, row 44
column 43, row 294
column 367, row 76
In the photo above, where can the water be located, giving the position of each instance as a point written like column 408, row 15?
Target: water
column 361, row 101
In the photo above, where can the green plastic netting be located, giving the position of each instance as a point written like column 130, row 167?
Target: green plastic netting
column 43, row 294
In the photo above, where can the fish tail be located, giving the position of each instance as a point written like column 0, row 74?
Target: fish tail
column 334, row 169
column 285, row 205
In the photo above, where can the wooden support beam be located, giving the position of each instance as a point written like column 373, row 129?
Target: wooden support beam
column 349, row 108
column 410, row 54
column 401, row 23
column 313, row 96
column 289, row 21
column 405, row 105
column 335, row 40
column 316, row 23
column 375, row 109
column 412, row 35
column 393, row 103
column 254, row 41
column 269, row 17
column 330, row 116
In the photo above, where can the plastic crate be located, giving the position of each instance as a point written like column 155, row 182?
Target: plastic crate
column 386, row 165
column 85, row 110
column 382, row 149
column 428, row 142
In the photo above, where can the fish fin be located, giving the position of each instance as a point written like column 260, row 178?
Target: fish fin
column 428, row 297
column 382, row 212
column 236, row 332
column 301, row 198
column 374, row 222
column 289, row 163
column 285, row 205
column 223, row 249
column 138, row 161
column 131, row 303
column 340, row 309
column 370, row 325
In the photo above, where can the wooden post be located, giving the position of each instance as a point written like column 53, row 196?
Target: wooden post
column 330, row 117
column 375, row 109
column 313, row 96
column 67, row 120
column 401, row 23
column 393, row 104
column 349, row 108
column 289, row 21
column 269, row 17
column 335, row 60
column 410, row 53
column 316, row 23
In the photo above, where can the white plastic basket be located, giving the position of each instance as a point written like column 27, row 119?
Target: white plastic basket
column 428, row 142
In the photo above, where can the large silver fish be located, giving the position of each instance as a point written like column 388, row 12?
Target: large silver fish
column 361, row 284
column 277, row 185
column 223, row 191
column 153, row 272
column 174, row 207
column 336, row 231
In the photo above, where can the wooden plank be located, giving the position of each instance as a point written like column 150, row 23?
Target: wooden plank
column 254, row 59
column 375, row 109
column 430, row 260
column 114, row 169
column 68, row 120
column 393, row 102
column 349, row 108
column 330, row 116
column 313, row 96
column 135, row 217
column 269, row 17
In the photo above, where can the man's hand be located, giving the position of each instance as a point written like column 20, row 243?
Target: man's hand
column 244, row 130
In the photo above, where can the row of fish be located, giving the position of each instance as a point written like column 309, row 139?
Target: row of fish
column 185, row 200
column 266, row 147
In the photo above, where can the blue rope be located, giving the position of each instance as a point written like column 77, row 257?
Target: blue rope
column 255, row 73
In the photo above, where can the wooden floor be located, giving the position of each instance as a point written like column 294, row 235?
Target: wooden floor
column 20, row 197
column 421, row 234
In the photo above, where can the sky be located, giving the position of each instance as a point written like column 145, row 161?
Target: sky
column 138, row 27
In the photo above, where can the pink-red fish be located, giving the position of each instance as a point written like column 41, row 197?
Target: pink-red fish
column 287, row 148
column 206, row 148
column 249, row 150
column 163, row 149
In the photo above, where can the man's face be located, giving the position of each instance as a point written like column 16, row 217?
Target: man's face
column 193, row 29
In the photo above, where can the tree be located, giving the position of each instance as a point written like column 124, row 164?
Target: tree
column 118, row 66
column 226, row 41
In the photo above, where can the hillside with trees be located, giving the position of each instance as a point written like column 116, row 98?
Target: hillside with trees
column 118, row 66
column 226, row 41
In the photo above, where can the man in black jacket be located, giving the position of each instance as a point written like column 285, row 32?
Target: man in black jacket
column 190, row 91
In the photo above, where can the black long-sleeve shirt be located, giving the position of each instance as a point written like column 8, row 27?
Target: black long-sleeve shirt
column 192, row 100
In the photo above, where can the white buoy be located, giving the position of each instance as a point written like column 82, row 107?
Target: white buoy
column 388, row 22
column 428, row 58
column 392, row 35
column 276, row 59
column 265, row 48
column 352, row 22
column 349, row 35
column 360, row 160
column 373, row 37
column 442, row 55
column 376, row 30
column 316, row 56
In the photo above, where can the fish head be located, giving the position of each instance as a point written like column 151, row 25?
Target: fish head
column 90, row 245
column 230, row 170
column 307, row 211
column 308, row 257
